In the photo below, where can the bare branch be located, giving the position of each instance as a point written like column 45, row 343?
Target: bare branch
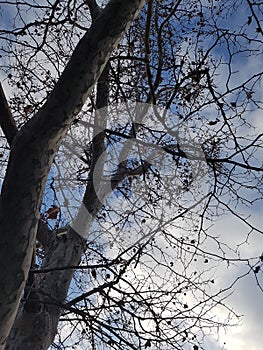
column 94, row 9
column 6, row 120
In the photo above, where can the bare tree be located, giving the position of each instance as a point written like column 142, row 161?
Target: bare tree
column 32, row 152
column 117, row 159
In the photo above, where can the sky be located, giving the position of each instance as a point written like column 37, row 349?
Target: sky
column 247, row 299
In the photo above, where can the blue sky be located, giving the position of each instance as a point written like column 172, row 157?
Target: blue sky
column 246, row 299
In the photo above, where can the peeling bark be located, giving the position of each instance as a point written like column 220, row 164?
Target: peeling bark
column 36, row 324
column 33, row 150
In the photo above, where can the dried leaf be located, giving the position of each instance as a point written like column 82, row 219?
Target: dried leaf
column 52, row 212
column 148, row 344
column 213, row 122
column 93, row 273
column 28, row 109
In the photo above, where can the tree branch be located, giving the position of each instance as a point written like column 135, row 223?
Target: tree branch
column 6, row 120
column 44, row 235
column 95, row 10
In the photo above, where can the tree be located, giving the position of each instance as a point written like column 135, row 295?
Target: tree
column 33, row 150
column 154, row 137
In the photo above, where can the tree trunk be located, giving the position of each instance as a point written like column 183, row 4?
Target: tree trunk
column 36, row 324
column 31, row 156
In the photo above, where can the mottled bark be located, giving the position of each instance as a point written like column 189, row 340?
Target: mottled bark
column 36, row 324
column 32, row 153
